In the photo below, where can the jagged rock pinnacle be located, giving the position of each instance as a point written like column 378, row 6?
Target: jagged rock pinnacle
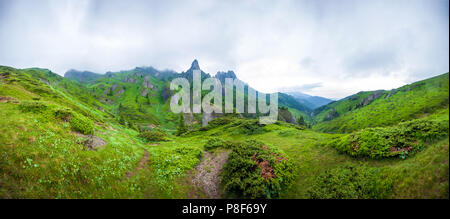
column 194, row 65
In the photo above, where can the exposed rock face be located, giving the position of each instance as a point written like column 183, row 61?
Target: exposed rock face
column 144, row 92
column 166, row 93
column 131, row 80
column 366, row 101
column 206, row 117
column 394, row 91
column 147, row 84
column 222, row 75
column 331, row 115
column 285, row 115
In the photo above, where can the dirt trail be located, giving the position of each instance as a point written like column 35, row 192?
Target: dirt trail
column 140, row 165
column 207, row 175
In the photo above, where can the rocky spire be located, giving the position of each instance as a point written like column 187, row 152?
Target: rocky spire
column 194, row 65
column 222, row 75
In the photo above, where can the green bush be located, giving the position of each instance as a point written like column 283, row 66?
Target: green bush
column 350, row 182
column 214, row 143
column 220, row 121
column 173, row 162
column 255, row 170
column 63, row 114
column 153, row 136
column 400, row 140
column 32, row 106
column 81, row 124
column 250, row 127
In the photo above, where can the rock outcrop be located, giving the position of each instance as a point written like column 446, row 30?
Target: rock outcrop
column 331, row 115
column 285, row 115
column 166, row 93
column 366, row 101
column 206, row 117
column 222, row 75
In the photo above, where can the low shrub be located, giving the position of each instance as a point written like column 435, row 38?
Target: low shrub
column 287, row 133
column 251, row 127
column 173, row 162
column 63, row 114
column 220, row 121
column 401, row 140
column 81, row 124
column 255, row 170
column 32, row 106
column 153, row 136
column 350, row 182
column 214, row 143
column 248, row 127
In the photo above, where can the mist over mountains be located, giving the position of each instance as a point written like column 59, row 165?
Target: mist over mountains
column 312, row 102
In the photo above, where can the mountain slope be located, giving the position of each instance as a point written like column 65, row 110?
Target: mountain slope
column 311, row 102
column 58, row 141
column 141, row 95
column 381, row 108
column 82, row 76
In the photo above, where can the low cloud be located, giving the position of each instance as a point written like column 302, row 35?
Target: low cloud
column 305, row 88
column 269, row 44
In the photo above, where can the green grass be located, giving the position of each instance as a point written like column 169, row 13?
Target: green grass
column 408, row 102
column 43, row 156
column 400, row 140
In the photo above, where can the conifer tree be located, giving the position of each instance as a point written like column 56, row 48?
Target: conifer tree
column 181, row 126
column 301, row 120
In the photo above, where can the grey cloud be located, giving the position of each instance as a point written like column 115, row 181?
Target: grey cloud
column 326, row 40
column 381, row 59
column 301, row 88
column 306, row 62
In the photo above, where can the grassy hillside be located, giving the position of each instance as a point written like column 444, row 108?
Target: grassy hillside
column 141, row 96
column 382, row 108
column 129, row 99
column 61, row 139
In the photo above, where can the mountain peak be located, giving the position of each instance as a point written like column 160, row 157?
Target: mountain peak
column 194, row 65
column 222, row 75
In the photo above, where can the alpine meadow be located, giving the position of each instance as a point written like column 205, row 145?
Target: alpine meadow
column 362, row 100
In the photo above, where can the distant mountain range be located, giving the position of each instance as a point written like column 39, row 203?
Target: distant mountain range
column 113, row 135
column 141, row 96
column 129, row 89
column 311, row 102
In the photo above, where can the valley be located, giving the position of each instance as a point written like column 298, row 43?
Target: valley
column 112, row 135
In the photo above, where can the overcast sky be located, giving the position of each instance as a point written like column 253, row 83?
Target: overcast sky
column 329, row 48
